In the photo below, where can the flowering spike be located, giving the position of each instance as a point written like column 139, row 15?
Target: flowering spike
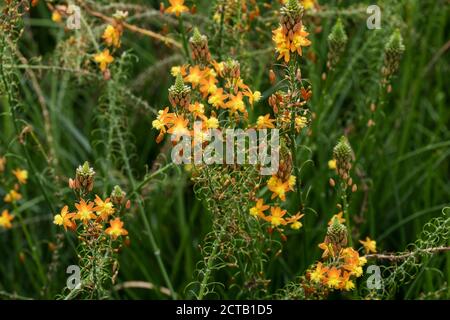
column 337, row 40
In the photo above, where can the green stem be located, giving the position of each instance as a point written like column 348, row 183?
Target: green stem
column 184, row 39
column 156, row 250
column 346, row 213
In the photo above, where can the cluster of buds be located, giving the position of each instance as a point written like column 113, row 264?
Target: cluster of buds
column 343, row 154
column 199, row 48
column 180, row 94
column 336, row 235
column 84, row 179
column 232, row 73
column 286, row 164
column 337, row 41
column 393, row 52
column 118, row 196
column 291, row 18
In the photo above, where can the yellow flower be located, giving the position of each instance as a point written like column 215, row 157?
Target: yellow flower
column 369, row 245
column 116, row 229
column 178, row 70
column 276, row 217
column 294, row 221
column 12, row 196
column 332, row 164
column 56, row 16
column 104, row 59
column 362, row 261
column 259, row 208
column 195, row 76
column 21, row 175
column 281, row 45
column 85, row 211
column 177, row 7
column 104, row 208
column 318, row 274
column 300, row 123
column 333, row 278
column 212, row 123
column 346, row 283
column 5, row 220
column 65, row 219
column 264, row 122
column 111, row 36
column 308, row 4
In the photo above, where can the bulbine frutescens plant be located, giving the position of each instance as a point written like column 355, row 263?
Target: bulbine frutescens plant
column 99, row 229
column 214, row 93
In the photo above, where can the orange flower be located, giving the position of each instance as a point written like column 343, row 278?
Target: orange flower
column 5, row 220
column 161, row 122
column 85, row 211
column 276, row 216
column 111, row 36
column 333, row 278
column 103, row 59
column 208, row 86
column 252, row 96
column 284, row 46
column 337, row 216
column 235, row 103
column 179, row 127
column 177, row 7
column 104, row 208
column 21, row 175
column 259, row 208
column 64, row 218
column 116, row 229
column 217, row 99
column 12, row 196
column 198, row 110
column 195, row 76
column 278, row 187
column 306, row 94
column 294, row 221
column 264, row 122
column 327, row 249
column 219, row 67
